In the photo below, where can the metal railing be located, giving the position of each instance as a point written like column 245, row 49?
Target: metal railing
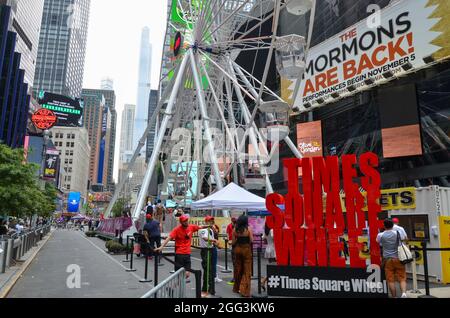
column 15, row 246
column 172, row 287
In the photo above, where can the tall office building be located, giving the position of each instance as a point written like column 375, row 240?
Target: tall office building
column 26, row 17
column 145, row 65
column 14, row 100
column 94, row 110
column 73, row 145
column 152, row 105
column 62, row 47
column 126, row 136
column 110, row 103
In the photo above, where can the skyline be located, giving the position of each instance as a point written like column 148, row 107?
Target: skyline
column 122, row 41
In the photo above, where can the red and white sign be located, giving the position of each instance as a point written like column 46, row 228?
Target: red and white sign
column 44, row 119
column 406, row 39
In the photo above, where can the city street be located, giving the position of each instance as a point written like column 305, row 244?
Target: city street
column 102, row 275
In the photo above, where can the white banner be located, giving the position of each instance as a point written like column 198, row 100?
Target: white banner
column 401, row 38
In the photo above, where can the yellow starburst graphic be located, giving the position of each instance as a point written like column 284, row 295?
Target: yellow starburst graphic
column 442, row 12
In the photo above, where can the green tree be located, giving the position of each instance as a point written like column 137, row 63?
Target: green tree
column 119, row 207
column 20, row 194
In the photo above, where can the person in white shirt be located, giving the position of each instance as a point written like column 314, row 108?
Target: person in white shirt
column 208, row 244
column 400, row 229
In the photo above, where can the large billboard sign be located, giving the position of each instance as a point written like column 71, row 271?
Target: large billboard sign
column 68, row 111
column 402, row 38
column 51, row 164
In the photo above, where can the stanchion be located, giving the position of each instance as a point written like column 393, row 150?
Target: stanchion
column 146, row 280
column 198, row 284
column 131, row 269
column 425, row 268
column 126, row 260
column 3, row 254
column 226, row 270
column 9, row 252
column 414, row 273
column 156, row 268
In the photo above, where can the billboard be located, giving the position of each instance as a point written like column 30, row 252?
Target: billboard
column 408, row 36
column 51, row 164
column 309, row 139
column 73, row 204
column 68, row 111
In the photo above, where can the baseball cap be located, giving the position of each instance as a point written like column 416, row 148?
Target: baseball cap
column 395, row 220
column 184, row 218
column 149, row 216
column 209, row 218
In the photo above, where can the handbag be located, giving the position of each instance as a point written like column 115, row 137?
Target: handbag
column 404, row 254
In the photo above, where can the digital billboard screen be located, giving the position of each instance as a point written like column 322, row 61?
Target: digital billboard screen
column 68, row 111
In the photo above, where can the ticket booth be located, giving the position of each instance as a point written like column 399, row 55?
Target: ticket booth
column 426, row 217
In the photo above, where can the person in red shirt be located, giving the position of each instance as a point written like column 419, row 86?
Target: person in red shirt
column 230, row 229
column 182, row 235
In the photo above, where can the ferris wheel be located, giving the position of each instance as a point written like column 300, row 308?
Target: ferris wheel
column 216, row 118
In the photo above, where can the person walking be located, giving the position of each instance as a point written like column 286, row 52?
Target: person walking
column 208, row 244
column 182, row 235
column 389, row 240
column 152, row 234
column 242, row 242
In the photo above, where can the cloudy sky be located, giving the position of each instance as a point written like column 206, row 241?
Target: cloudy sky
column 113, row 47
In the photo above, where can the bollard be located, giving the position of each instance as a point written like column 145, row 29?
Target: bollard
column 226, row 270
column 198, row 284
column 259, row 270
column 131, row 269
column 126, row 260
column 425, row 267
column 156, row 268
column 3, row 254
column 9, row 252
column 146, row 280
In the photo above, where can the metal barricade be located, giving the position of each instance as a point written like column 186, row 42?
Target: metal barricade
column 173, row 287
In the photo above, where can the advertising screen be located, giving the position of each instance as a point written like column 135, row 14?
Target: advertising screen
column 68, row 111
column 73, row 204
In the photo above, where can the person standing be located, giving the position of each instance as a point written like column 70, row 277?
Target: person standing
column 399, row 228
column 152, row 234
column 182, row 235
column 389, row 240
column 208, row 244
column 242, row 242
column 230, row 229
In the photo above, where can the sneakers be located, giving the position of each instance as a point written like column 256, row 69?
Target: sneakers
column 404, row 295
column 218, row 280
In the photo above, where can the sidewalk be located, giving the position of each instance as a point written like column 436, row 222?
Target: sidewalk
column 52, row 274
column 441, row 292
column 13, row 273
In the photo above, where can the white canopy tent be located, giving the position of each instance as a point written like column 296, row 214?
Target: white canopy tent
column 232, row 197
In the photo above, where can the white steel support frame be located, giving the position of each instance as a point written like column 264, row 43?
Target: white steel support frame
column 205, row 118
column 252, row 132
column 288, row 140
column 155, row 155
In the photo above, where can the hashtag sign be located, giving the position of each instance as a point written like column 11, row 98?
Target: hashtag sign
column 274, row 281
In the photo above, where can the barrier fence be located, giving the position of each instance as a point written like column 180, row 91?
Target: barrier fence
column 425, row 249
column 14, row 247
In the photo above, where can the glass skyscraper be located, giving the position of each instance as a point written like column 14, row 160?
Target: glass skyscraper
column 62, row 47
column 145, row 66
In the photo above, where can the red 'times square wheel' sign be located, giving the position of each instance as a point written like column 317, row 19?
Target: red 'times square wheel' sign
column 44, row 119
